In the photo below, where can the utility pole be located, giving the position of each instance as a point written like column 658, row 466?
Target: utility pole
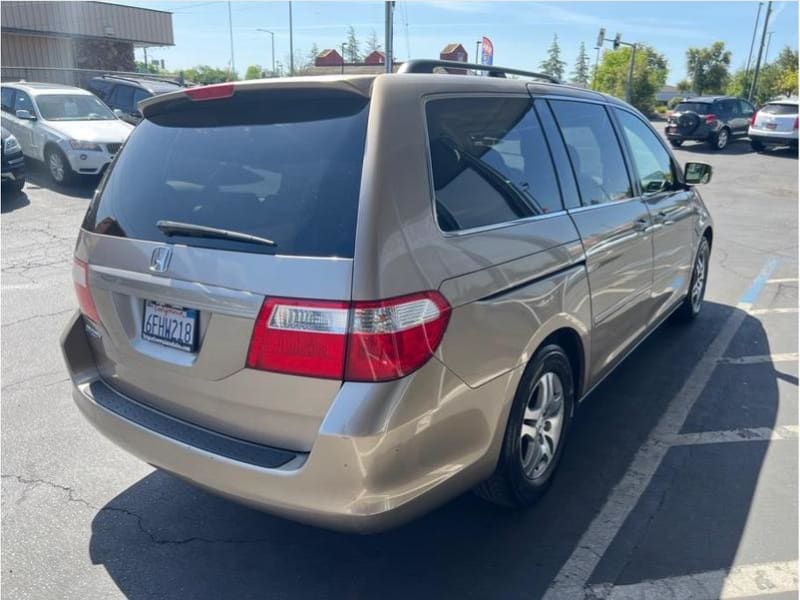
column 145, row 59
column 291, row 43
column 272, row 35
column 629, row 87
column 753, row 40
column 343, row 47
column 760, row 49
column 388, row 39
column 230, row 31
column 766, row 50
column 478, row 55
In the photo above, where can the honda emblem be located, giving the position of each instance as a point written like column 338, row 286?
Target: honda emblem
column 159, row 261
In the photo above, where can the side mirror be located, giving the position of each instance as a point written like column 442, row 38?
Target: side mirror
column 25, row 115
column 136, row 114
column 119, row 113
column 697, row 172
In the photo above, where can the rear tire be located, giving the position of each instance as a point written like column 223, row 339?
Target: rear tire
column 15, row 186
column 693, row 303
column 58, row 166
column 536, row 431
column 756, row 146
column 676, row 143
column 719, row 140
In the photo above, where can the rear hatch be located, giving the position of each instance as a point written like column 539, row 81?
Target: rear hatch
column 215, row 203
column 777, row 118
column 687, row 117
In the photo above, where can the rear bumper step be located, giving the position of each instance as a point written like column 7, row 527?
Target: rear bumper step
column 187, row 433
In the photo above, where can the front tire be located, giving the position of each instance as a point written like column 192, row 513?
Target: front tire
column 691, row 305
column 536, row 431
column 676, row 143
column 58, row 166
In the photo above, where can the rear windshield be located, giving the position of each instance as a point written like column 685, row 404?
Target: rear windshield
column 701, row 108
column 280, row 166
column 780, row 109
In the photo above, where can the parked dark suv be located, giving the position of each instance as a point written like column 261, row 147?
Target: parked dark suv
column 712, row 119
column 123, row 94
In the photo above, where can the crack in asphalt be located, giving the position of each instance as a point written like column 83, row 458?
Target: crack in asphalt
column 73, row 497
column 31, row 318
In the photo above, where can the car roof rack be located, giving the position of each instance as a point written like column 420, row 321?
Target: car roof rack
column 137, row 79
column 425, row 65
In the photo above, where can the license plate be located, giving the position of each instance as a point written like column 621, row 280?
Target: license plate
column 170, row 325
column 772, row 125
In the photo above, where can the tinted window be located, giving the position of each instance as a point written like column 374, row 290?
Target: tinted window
column 8, row 99
column 490, row 162
column 566, row 178
column 282, row 166
column 594, row 152
column 122, row 98
column 100, row 87
column 771, row 109
column 726, row 108
column 23, row 102
column 745, row 108
column 701, row 108
column 139, row 94
column 652, row 161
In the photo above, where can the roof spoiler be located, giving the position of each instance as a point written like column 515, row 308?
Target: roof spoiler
column 425, row 65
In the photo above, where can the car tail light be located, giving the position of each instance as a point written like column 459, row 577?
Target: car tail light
column 80, row 276
column 711, row 119
column 210, row 92
column 354, row 341
column 795, row 123
column 753, row 119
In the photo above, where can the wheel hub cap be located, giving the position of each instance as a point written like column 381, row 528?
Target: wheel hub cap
column 56, row 167
column 542, row 424
column 699, row 279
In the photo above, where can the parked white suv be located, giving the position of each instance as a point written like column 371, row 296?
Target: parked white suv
column 68, row 128
column 774, row 124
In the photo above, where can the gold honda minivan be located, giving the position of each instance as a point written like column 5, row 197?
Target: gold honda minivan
column 347, row 300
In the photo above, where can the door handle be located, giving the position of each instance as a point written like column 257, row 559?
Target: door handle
column 663, row 217
column 641, row 224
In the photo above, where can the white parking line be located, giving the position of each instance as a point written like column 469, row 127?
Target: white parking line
column 768, row 311
column 762, row 358
column 575, row 572
column 783, row 280
column 754, row 434
column 739, row 582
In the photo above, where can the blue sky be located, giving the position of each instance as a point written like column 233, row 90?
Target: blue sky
column 521, row 31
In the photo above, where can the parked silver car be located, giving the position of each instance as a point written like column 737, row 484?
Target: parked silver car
column 68, row 128
column 775, row 124
column 346, row 300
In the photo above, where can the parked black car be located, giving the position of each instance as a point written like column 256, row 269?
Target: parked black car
column 13, row 162
column 122, row 94
column 712, row 119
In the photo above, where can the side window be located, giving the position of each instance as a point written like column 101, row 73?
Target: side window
column 490, row 162
column 746, row 108
column 593, row 151
column 139, row 94
column 122, row 98
column 100, row 87
column 652, row 161
column 8, row 100
column 569, row 189
column 724, row 108
column 23, row 102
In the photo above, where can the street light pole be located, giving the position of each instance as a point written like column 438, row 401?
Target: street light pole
column 766, row 50
column 291, row 43
column 754, row 83
column 230, row 31
column 388, row 39
column 272, row 35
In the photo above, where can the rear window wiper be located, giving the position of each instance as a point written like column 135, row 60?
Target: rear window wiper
column 178, row 228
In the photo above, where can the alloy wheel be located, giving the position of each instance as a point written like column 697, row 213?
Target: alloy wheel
column 699, row 278
column 542, row 425
column 56, row 165
column 722, row 139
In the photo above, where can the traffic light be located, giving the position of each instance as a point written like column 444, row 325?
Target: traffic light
column 601, row 38
column 617, row 41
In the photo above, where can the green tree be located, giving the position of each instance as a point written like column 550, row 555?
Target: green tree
column 684, row 86
column 254, row 72
column 649, row 75
column 778, row 78
column 372, row 43
column 205, row 74
column 352, row 52
column 580, row 75
column 150, row 68
column 553, row 65
column 708, row 68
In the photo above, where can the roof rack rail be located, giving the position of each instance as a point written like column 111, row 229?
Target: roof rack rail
column 425, row 65
column 137, row 78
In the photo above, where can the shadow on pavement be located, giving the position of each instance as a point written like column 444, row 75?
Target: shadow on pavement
column 13, row 200
column 82, row 187
column 165, row 538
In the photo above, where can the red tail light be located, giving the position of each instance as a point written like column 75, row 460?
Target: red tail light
column 711, row 119
column 210, row 92
column 80, row 276
column 753, row 119
column 795, row 123
column 354, row 341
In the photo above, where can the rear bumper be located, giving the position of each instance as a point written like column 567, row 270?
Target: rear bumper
column 699, row 136
column 353, row 479
column 773, row 137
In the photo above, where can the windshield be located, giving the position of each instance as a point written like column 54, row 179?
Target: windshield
column 701, row 108
column 73, row 107
column 278, row 166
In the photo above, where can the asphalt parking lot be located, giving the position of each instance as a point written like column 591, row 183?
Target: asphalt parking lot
column 680, row 479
